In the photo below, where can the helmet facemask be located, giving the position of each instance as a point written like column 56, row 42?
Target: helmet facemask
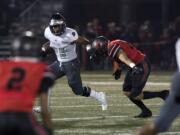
column 57, row 24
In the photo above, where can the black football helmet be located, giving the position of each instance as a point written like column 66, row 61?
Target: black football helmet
column 26, row 45
column 100, row 45
column 57, row 24
column 98, row 49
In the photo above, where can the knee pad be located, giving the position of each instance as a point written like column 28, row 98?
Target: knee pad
column 86, row 91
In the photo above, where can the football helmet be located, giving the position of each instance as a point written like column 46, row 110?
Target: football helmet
column 100, row 45
column 57, row 24
column 26, row 45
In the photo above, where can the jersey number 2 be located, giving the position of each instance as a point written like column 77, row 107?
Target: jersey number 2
column 14, row 83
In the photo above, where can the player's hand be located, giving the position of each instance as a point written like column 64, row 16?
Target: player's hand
column 136, row 70
column 43, row 53
column 117, row 74
column 91, row 52
column 89, row 49
column 147, row 130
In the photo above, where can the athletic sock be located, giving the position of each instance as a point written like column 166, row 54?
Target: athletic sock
column 94, row 94
column 139, row 103
column 149, row 94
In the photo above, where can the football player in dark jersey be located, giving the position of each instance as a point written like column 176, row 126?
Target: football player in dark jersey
column 23, row 77
column 138, row 72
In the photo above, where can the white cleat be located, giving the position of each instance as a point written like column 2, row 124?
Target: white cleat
column 37, row 109
column 103, row 101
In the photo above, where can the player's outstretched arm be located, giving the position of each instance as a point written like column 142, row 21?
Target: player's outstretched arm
column 124, row 58
column 82, row 41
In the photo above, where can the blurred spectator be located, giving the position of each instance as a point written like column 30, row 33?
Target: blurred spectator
column 112, row 31
column 90, row 32
column 97, row 26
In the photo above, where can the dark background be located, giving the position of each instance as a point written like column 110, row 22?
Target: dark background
column 148, row 24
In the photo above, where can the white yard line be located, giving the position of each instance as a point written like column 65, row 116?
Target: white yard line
column 120, row 83
column 104, row 131
column 96, row 131
column 84, row 106
column 80, row 97
column 95, row 118
column 87, row 118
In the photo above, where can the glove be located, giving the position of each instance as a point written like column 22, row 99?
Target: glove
column 117, row 74
column 136, row 70
column 43, row 54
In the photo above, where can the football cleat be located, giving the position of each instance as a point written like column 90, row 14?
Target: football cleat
column 144, row 114
column 164, row 94
column 103, row 101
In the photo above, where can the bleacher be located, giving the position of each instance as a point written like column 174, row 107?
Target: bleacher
column 4, row 48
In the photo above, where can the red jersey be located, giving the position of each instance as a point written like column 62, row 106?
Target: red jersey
column 132, row 53
column 20, row 84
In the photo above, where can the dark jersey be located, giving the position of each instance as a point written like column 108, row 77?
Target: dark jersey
column 20, row 84
column 132, row 53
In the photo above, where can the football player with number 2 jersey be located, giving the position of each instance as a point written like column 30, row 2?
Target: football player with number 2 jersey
column 23, row 78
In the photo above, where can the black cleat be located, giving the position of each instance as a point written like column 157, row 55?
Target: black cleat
column 144, row 114
column 164, row 94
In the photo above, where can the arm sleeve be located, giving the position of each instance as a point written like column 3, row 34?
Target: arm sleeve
column 47, row 81
column 178, row 53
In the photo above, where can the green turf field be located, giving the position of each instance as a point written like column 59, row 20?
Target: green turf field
column 74, row 115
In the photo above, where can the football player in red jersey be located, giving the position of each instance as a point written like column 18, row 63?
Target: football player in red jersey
column 139, row 69
column 23, row 77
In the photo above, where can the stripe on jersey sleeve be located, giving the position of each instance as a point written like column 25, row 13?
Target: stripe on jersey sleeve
column 114, row 50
